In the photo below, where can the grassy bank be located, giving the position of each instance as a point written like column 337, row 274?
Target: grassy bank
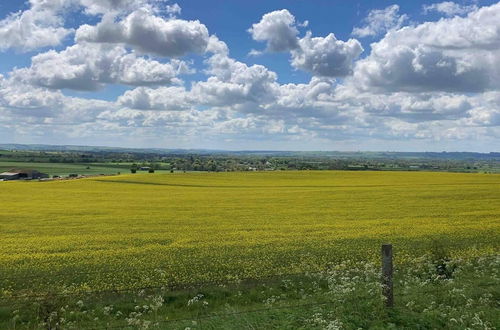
column 433, row 293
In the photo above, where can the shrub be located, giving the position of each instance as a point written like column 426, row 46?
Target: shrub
column 441, row 260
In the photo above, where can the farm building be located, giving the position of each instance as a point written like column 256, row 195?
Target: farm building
column 22, row 174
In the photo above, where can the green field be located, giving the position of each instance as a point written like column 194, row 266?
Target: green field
column 134, row 231
column 63, row 169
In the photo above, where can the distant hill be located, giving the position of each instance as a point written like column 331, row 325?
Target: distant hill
column 327, row 154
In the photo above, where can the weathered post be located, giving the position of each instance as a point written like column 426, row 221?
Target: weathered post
column 387, row 275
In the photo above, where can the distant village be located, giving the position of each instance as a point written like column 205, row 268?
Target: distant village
column 28, row 164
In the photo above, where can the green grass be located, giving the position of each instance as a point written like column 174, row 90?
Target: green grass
column 345, row 297
column 63, row 169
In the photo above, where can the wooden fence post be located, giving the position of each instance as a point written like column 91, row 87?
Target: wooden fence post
column 387, row 275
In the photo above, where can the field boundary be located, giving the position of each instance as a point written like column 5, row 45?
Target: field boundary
column 385, row 294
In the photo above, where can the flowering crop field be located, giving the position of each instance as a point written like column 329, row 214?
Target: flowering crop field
column 132, row 231
column 143, row 251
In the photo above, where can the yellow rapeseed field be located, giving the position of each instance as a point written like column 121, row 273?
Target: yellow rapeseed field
column 143, row 229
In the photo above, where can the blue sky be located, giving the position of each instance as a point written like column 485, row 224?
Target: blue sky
column 284, row 75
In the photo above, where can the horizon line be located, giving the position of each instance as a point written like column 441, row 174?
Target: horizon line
column 234, row 150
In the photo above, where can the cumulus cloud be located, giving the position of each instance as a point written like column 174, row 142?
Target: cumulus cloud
column 235, row 86
column 164, row 98
column 326, row 56
column 21, row 96
column 449, row 8
column 27, row 106
column 278, row 29
column 233, row 82
column 306, row 96
column 43, row 23
column 321, row 56
column 419, row 108
column 178, row 122
column 149, row 34
column 96, row 7
column 417, row 69
column 431, row 81
column 217, row 46
column 436, row 56
column 479, row 30
column 39, row 26
column 173, row 9
column 485, row 111
column 89, row 67
column 380, row 21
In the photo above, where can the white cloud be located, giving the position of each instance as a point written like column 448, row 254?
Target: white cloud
column 164, row 98
column 234, row 83
column 173, row 9
column 28, row 106
column 177, row 122
column 149, row 34
column 449, row 8
column 255, row 52
column 435, row 81
column 216, row 46
column 43, row 23
column 485, row 110
column 436, row 56
column 98, row 7
column 417, row 108
column 39, row 26
column 89, row 67
column 20, row 96
column 278, row 29
column 305, row 96
column 479, row 30
column 303, row 24
column 231, row 85
column 380, row 21
column 392, row 67
column 321, row 56
column 326, row 56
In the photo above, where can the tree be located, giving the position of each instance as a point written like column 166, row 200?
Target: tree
column 133, row 169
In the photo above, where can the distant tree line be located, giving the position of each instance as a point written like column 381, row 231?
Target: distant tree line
column 253, row 162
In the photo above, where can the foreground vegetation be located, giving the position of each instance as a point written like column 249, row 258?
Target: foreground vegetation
column 148, row 234
column 431, row 294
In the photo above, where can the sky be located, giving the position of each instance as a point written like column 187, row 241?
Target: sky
column 252, row 75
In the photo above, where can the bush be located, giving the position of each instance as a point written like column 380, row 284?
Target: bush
column 442, row 260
